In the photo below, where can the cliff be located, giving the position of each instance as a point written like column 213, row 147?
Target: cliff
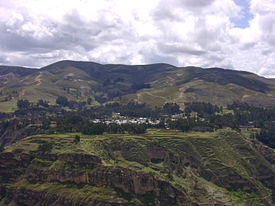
column 158, row 168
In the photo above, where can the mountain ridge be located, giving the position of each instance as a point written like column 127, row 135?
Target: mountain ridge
column 70, row 152
column 154, row 84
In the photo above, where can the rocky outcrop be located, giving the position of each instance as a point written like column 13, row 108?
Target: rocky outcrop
column 126, row 180
column 137, row 171
column 84, row 169
column 138, row 183
column 30, row 197
column 10, row 167
column 264, row 150
column 81, row 158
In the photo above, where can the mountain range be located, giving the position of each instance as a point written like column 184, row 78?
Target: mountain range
column 57, row 154
column 153, row 84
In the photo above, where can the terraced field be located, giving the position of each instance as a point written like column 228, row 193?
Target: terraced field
column 160, row 167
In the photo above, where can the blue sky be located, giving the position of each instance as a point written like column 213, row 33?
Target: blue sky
column 245, row 16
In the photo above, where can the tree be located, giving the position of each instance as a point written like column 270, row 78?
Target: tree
column 76, row 139
column 1, row 148
column 171, row 108
column 89, row 100
column 135, row 128
column 23, row 104
column 42, row 103
column 63, row 101
column 46, row 124
column 45, row 147
column 93, row 128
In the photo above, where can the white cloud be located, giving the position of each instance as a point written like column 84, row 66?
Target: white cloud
column 179, row 32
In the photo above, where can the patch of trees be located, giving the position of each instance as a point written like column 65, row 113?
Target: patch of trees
column 69, row 122
column 267, row 134
column 23, row 104
column 226, row 120
column 64, row 102
column 89, row 101
column 171, row 108
column 135, row 128
column 92, row 128
column 133, row 109
column 42, row 103
column 203, row 109
column 260, row 117
column 246, row 113
column 76, row 139
column 209, row 117
column 73, row 122
column 136, row 87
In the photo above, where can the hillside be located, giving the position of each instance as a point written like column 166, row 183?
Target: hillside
column 85, row 152
column 157, row 168
column 214, row 85
column 153, row 84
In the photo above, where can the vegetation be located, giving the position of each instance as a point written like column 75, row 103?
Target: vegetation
column 45, row 147
column 76, row 139
column 197, row 116
column 200, row 163
column 23, row 104
column 92, row 84
column 136, row 135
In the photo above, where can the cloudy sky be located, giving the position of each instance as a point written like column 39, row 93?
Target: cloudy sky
column 233, row 34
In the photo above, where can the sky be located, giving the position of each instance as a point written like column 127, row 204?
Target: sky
column 232, row 34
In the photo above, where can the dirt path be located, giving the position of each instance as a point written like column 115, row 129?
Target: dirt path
column 139, row 96
column 22, row 93
column 156, row 96
column 38, row 79
column 181, row 92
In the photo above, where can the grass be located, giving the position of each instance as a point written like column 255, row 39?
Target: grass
column 8, row 107
column 202, row 91
column 64, row 142
column 168, row 86
column 223, row 153
column 71, row 191
column 49, row 88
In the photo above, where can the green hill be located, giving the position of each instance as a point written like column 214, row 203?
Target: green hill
column 157, row 168
column 152, row 84
column 64, row 155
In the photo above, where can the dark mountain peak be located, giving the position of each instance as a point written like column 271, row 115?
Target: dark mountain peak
column 225, row 76
column 145, row 73
column 22, row 71
column 67, row 63
column 155, row 65
column 88, row 64
column 152, row 84
column 217, row 69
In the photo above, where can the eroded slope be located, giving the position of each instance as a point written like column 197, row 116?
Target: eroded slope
column 158, row 168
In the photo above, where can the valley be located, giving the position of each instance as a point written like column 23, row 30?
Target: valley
column 83, row 133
